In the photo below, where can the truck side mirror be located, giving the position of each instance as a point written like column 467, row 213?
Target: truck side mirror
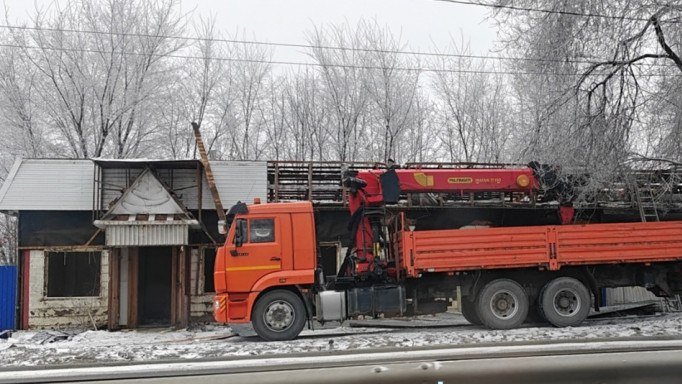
column 239, row 231
column 238, row 239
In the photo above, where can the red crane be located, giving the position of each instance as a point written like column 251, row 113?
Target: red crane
column 371, row 190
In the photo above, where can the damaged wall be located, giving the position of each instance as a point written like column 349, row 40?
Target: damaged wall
column 201, row 304
column 56, row 312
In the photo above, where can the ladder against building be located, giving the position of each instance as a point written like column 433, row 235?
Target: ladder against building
column 654, row 192
column 209, row 178
column 650, row 191
column 644, row 192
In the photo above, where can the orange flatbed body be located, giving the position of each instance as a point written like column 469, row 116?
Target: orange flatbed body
column 542, row 247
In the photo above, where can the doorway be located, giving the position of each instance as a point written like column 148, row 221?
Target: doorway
column 154, row 286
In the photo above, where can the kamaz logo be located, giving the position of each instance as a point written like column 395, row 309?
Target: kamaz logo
column 460, row 180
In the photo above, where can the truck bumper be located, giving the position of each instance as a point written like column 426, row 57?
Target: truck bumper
column 230, row 308
column 220, row 313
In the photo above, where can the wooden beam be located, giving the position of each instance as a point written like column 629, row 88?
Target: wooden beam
column 310, row 181
column 92, row 238
column 276, row 188
column 114, row 289
column 133, row 269
column 187, row 284
column 174, row 287
column 25, row 287
column 200, row 191
column 200, row 268
column 209, row 174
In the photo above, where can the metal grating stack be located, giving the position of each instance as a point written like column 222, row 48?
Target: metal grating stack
column 314, row 181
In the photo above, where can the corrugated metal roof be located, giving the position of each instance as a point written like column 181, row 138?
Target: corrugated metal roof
column 237, row 181
column 48, row 184
column 67, row 185
column 146, row 235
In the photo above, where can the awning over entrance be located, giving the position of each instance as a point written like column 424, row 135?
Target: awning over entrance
column 147, row 214
column 146, row 233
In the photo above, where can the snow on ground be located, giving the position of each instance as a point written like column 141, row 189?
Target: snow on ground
column 215, row 342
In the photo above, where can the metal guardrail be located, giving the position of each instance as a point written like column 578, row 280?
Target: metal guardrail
column 631, row 361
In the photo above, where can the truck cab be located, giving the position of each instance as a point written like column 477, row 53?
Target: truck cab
column 266, row 268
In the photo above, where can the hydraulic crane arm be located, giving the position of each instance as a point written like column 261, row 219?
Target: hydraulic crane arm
column 371, row 190
column 378, row 187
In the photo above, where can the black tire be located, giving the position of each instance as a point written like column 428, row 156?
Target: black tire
column 278, row 315
column 565, row 302
column 469, row 311
column 502, row 304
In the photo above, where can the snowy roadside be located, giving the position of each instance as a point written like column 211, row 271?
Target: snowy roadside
column 216, row 342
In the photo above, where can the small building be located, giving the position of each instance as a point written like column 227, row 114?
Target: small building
column 120, row 243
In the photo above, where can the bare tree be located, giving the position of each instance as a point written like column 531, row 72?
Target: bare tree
column 420, row 135
column 94, row 84
column 20, row 112
column 241, row 94
column 390, row 85
column 472, row 107
column 599, row 66
column 8, row 240
column 306, row 117
column 343, row 77
column 273, row 113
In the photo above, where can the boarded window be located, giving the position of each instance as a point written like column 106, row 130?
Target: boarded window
column 73, row 274
column 262, row 230
column 209, row 266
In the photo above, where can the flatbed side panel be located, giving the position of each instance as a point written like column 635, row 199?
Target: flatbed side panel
column 484, row 248
column 619, row 243
column 548, row 247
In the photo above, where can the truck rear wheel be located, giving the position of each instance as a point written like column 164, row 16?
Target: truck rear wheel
column 469, row 311
column 502, row 304
column 565, row 302
column 278, row 315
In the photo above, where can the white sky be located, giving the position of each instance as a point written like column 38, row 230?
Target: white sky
column 422, row 23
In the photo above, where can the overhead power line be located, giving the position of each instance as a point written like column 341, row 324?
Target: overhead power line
column 311, row 46
column 550, row 11
column 295, row 63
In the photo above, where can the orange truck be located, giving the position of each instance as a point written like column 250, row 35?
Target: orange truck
column 267, row 275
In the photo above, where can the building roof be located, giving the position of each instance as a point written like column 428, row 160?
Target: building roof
column 142, row 163
column 69, row 184
column 48, row 184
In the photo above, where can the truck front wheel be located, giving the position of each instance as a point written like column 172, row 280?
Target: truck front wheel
column 278, row 315
column 565, row 302
column 502, row 304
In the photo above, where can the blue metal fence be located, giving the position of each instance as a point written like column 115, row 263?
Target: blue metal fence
column 8, row 296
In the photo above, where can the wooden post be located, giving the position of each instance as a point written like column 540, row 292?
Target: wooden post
column 187, row 285
column 114, row 289
column 25, row 287
column 276, row 186
column 200, row 191
column 310, row 181
column 174, row 286
column 133, row 269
